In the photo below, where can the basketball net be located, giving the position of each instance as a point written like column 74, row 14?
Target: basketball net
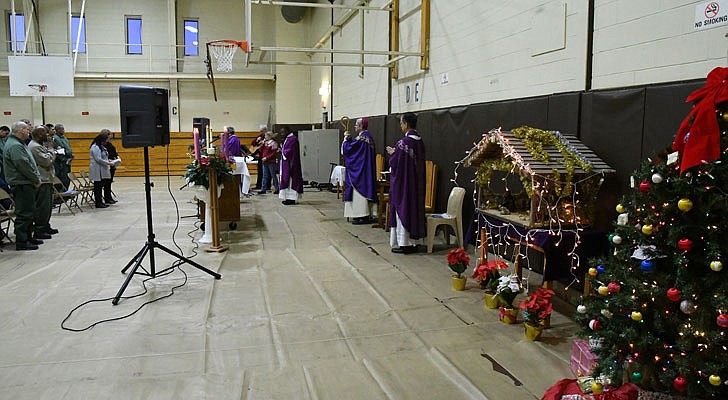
column 223, row 51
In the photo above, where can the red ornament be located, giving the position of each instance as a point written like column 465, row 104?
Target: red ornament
column 613, row 287
column 680, row 384
column 674, row 294
column 644, row 186
column 595, row 325
column 685, row 244
column 722, row 320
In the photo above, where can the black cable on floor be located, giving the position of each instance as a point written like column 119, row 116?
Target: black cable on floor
column 175, row 265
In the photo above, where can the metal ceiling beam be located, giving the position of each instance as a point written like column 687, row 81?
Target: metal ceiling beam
column 314, row 50
column 320, row 5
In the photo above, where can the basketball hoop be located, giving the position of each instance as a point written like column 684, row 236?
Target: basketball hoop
column 38, row 87
column 224, row 51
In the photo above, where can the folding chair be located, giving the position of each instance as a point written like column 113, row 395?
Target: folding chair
column 90, row 183
column 64, row 198
column 7, row 215
column 84, row 189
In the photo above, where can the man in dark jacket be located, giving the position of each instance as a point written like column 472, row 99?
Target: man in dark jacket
column 21, row 173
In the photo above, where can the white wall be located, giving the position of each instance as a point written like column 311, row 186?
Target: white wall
column 643, row 42
column 242, row 104
column 354, row 94
column 490, row 50
column 293, row 83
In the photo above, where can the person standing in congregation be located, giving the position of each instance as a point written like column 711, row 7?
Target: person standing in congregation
column 407, row 190
column 4, row 133
column 113, row 155
column 44, row 155
column 291, row 174
column 269, row 156
column 258, row 154
column 99, row 170
column 64, row 155
column 360, row 184
column 21, row 173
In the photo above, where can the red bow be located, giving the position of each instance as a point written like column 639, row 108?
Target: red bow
column 698, row 139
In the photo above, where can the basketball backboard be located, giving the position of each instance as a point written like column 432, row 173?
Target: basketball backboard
column 41, row 76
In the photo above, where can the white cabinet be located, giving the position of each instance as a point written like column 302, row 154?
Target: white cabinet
column 319, row 148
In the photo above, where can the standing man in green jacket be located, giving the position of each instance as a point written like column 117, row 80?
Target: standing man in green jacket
column 43, row 154
column 64, row 155
column 4, row 133
column 21, row 173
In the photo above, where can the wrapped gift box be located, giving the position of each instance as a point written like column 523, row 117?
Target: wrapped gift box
column 583, row 360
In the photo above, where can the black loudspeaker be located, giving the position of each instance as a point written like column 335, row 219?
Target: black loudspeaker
column 144, row 116
column 202, row 124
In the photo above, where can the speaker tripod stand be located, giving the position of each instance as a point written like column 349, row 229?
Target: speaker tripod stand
column 148, row 248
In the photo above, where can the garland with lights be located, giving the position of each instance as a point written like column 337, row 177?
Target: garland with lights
column 536, row 140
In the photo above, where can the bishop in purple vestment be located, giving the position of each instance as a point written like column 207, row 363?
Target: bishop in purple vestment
column 407, row 188
column 360, row 182
column 291, row 176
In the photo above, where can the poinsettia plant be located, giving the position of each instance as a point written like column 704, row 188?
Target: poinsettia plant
column 537, row 306
column 458, row 260
column 198, row 171
column 508, row 288
column 487, row 274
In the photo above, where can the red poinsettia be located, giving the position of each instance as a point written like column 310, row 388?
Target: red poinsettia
column 537, row 306
column 458, row 260
column 487, row 274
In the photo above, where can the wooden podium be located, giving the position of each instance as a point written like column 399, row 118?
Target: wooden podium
column 229, row 204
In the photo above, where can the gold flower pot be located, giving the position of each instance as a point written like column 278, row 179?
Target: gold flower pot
column 491, row 302
column 458, row 284
column 508, row 315
column 533, row 332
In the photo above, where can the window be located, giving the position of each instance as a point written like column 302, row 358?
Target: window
column 76, row 22
column 191, row 43
column 133, row 35
column 17, row 43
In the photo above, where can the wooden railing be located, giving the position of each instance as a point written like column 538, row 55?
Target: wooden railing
column 175, row 155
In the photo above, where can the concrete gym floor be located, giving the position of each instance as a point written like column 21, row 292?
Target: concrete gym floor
column 309, row 307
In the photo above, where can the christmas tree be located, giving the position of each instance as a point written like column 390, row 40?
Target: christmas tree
column 657, row 310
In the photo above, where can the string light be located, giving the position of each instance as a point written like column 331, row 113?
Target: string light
column 563, row 211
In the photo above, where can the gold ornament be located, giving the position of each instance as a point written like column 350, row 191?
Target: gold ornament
column 685, row 205
column 636, row 315
column 603, row 290
column 620, row 208
column 597, row 388
column 714, row 380
column 647, row 229
column 593, row 271
column 716, row 265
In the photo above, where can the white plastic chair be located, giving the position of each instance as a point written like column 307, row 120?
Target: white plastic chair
column 451, row 218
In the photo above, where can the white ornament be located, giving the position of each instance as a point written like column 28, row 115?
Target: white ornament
column 617, row 239
column 581, row 309
column 656, row 178
column 687, row 306
column 622, row 219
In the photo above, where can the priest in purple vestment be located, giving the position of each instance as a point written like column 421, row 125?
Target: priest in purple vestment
column 360, row 183
column 232, row 146
column 407, row 188
column 291, row 176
